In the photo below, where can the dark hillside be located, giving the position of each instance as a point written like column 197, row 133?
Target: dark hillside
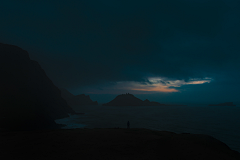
column 28, row 98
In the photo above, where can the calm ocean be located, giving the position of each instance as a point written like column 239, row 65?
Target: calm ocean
column 222, row 123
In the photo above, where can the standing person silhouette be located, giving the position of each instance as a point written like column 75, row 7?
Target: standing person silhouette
column 128, row 124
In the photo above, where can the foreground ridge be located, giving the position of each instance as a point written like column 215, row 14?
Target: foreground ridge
column 135, row 143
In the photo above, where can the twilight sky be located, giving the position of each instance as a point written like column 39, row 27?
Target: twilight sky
column 171, row 51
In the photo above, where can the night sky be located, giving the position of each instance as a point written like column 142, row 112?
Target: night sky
column 170, row 51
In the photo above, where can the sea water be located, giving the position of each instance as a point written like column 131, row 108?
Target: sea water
column 221, row 122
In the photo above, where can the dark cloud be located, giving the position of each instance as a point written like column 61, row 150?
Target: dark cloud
column 84, row 43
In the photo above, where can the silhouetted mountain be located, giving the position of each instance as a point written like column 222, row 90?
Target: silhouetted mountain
column 125, row 100
column 146, row 101
column 131, row 100
column 73, row 100
column 28, row 98
column 223, row 104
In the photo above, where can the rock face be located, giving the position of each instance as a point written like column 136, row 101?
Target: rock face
column 73, row 100
column 28, row 98
column 223, row 104
column 131, row 100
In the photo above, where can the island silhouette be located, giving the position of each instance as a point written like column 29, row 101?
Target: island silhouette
column 130, row 100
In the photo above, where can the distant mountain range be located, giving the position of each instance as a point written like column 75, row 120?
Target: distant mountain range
column 28, row 98
column 73, row 100
column 130, row 100
column 223, row 104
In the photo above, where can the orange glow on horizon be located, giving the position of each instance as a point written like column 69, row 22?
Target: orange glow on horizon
column 198, row 82
column 156, row 89
column 156, row 84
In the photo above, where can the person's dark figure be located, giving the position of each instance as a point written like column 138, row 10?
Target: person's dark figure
column 128, row 124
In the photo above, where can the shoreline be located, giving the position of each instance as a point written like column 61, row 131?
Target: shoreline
column 113, row 143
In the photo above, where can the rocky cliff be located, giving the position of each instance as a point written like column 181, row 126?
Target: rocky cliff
column 28, row 98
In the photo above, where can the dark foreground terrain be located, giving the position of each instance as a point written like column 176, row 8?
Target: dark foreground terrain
column 111, row 144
